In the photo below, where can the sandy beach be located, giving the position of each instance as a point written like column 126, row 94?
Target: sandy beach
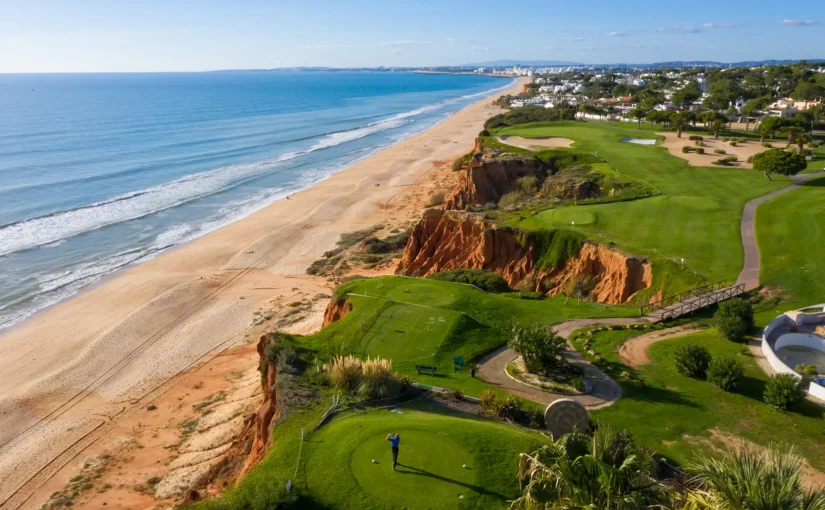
column 68, row 374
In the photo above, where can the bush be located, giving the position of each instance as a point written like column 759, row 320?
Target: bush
column 484, row 132
column 687, row 148
column 733, row 143
column 692, row 360
column 783, row 391
column 484, row 280
column 767, row 144
column 378, row 380
column 539, row 346
column 750, row 159
column 458, row 164
column 389, row 244
column 345, row 372
column 734, row 319
column 719, row 151
column 806, row 370
column 699, row 143
column 700, row 150
column 725, row 373
column 527, row 184
column 777, row 161
column 508, row 408
column 436, row 198
column 512, row 199
column 694, row 138
column 488, row 400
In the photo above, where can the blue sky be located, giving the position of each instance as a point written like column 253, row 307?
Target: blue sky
column 170, row 35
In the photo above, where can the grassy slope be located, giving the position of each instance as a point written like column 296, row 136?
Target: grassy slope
column 696, row 217
column 671, row 411
column 455, row 320
column 336, row 469
column 791, row 233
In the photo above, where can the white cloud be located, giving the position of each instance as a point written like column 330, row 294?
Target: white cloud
column 737, row 24
column 616, row 34
column 575, row 39
column 679, row 30
column 328, row 46
column 404, row 43
column 799, row 23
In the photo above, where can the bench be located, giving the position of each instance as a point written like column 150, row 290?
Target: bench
column 425, row 368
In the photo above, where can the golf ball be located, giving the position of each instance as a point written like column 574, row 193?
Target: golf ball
column 373, row 461
column 464, row 466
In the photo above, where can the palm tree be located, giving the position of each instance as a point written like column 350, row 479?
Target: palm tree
column 677, row 121
column 800, row 139
column 752, row 479
column 603, row 471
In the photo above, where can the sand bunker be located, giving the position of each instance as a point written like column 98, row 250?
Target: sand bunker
column 534, row 143
column 743, row 150
column 640, row 141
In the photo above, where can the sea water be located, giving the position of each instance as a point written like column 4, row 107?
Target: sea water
column 100, row 171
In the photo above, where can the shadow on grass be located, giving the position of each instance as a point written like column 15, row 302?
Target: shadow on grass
column 819, row 182
column 409, row 470
column 653, row 394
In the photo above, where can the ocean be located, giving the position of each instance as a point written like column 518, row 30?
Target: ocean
column 100, row 171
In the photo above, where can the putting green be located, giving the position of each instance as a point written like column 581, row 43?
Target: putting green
column 408, row 332
column 430, row 468
column 417, row 291
column 569, row 215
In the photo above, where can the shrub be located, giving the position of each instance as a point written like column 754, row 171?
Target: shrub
column 512, row 199
column 484, row 132
column 539, row 346
column 488, row 400
column 436, row 198
column 750, row 159
column 377, row 379
column 806, row 370
column 527, row 184
column 700, row 150
column 458, row 164
column 767, row 144
column 389, row 244
column 699, row 143
column 719, row 151
column 777, row 161
column 694, row 138
column 687, row 148
column 345, row 372
column 783, row 391
column 725, row 373
column 508, row 408
column 734, row 319
column 692, row 360
column 733, row 143
column 484, row 280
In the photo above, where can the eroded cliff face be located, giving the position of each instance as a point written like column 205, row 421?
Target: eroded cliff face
column 337, row 309
column 264, row 420
column 488, row 177
column 445, row 240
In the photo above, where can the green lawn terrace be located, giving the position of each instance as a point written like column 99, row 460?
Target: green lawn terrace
column 413, row 321
column 693, row 219
column 680, row 416
column 333, row 467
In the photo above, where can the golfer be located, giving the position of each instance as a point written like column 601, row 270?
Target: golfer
column 394, row 439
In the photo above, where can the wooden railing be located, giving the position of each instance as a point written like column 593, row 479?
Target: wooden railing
column 693, row 299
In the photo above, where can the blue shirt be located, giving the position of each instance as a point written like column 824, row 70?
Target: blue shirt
column 394, row 441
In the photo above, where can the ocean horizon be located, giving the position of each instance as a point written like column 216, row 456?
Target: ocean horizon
column 102, row 171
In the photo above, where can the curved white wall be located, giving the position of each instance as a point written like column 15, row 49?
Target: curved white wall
column 788, row 339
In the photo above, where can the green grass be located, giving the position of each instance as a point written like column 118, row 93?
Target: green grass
column 791, row 235
column 429, row 322
column 696, row 217
column 336, row 468
column 675, row 414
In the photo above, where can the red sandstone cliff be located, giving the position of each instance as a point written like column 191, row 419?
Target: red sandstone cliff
column 263, row 421
column 337, row 309
column 488, row 177
column 445, row 240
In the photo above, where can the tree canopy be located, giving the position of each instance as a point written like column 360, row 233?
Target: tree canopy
column 778, row 161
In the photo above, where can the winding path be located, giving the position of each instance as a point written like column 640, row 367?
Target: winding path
column 634, row 351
